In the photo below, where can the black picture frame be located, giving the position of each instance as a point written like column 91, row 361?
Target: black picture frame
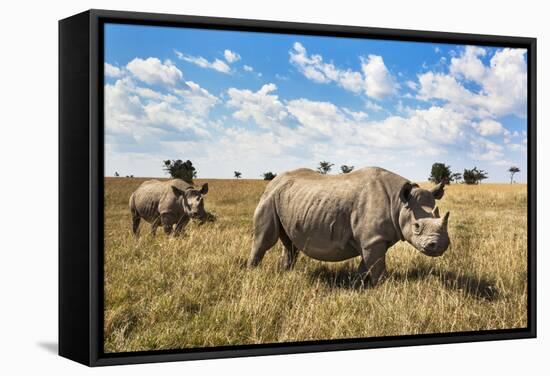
column 81, row 189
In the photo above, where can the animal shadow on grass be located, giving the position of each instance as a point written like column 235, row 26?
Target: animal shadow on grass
column 478, row 288
column 346, row 277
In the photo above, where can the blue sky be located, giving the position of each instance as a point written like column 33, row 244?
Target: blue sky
column 256, row 102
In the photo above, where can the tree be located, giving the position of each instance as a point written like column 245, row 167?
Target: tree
column 513, row 170
column 237, row 174
column 456, row 177
column 117, row 174
column 440, row 173
column 346, row 169
column 180, row 170
column 474, row 176
column 325, row 167
column 269, row 175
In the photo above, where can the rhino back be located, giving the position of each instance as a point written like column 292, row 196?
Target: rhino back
column 146, row 199
column 178, row 183
column 320, row 213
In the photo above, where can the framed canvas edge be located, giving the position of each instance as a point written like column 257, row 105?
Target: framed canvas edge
column 99, row 358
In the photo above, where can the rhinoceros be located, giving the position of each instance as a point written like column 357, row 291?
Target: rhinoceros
column 167, row 203
column 338, row 217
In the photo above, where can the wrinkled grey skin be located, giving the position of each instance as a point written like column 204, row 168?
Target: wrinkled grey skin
column 338, row 217
column 167, row 203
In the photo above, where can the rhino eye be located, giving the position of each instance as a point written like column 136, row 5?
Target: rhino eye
column 417, row 227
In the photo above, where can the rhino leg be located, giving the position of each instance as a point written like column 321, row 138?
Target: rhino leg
column 266, row 231
column 181, row 224
column 154, row 226
column 135, row 216
column 135, row 224
column 373, row 264
column 290, row 252
column 167, row 220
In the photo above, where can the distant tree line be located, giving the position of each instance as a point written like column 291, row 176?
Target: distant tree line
column 178, row 169
column 440, row 172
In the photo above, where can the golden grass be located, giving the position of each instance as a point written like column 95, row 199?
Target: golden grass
column 195, row 291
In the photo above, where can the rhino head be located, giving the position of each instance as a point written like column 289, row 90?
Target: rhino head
column 192, row 201
column 419, row 219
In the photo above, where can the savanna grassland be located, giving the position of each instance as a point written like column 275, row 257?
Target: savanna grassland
column 195, row 291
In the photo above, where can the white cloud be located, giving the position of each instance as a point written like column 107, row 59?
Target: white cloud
column 231, row 56
column 308, row 131
column 356, row 115
column 261, row 106
column 112, row 71
column 469, row 65
column 506, row 82
column 123, row 107
column 312, row 67
column 147, row 93
column 217, row 64
column 374, row 80
column 370, row 105
column 490, row 127
column 503, row 83
column 485, row 150
column 317, row 118
column 412, row 85
column 281, row 77
column 248, row 68
column 446, row 87
column 516, row 147
column 379, row 83
column 153, row 71
column 196, row 99
column 143, row 114
column 430, row 129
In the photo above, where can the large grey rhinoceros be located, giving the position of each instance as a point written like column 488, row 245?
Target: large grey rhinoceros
column 167, row 203
column 337, row 217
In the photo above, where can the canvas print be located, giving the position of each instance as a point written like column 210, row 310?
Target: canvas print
column 264, row 188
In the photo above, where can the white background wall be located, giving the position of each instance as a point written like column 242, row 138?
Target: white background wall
column 28, row 184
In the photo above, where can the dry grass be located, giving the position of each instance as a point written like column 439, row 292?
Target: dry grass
column 195, row 291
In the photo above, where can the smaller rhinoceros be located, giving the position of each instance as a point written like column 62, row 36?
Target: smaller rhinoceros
column 167, row 203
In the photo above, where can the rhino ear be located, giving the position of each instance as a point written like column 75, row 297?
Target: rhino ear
column 438, row 191
column 204, row 189
column 405, row 193
column 178, row 192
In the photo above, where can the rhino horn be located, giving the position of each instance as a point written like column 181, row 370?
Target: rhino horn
column 435, row 212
